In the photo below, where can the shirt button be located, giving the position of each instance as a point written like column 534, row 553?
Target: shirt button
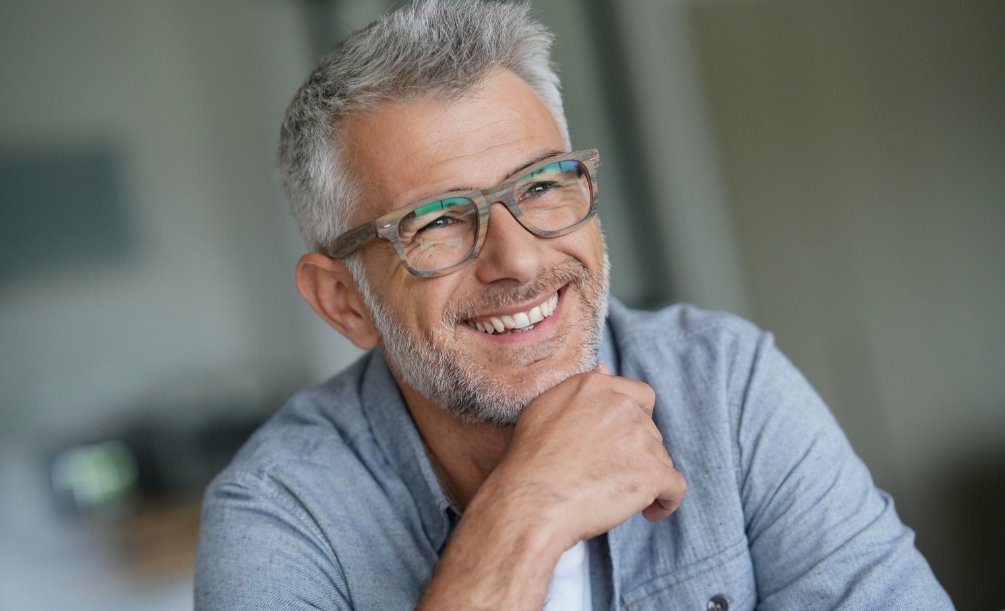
column 718, row 603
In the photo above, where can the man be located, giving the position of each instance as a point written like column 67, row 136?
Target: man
column 507, row 441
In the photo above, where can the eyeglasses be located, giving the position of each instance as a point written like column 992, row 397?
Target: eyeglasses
column 441, row 234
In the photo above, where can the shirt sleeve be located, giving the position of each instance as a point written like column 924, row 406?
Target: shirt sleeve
column 821, row 535
column 259, row 549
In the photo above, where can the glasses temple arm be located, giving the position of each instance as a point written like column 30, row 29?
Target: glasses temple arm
column 352, row 240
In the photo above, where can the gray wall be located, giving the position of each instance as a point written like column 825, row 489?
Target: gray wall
column 197, row 311
column 187, row 97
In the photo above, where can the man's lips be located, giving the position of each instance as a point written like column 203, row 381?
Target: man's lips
column 515, row 321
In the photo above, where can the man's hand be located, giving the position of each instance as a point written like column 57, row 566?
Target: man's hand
column 585, row 456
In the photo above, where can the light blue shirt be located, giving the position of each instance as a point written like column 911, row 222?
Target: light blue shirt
column 333, row 504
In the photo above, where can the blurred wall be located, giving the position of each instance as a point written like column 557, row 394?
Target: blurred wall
column 195, row 312
column 186, row 97
column 863, row 147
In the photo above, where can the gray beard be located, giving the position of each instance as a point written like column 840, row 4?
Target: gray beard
column 465, row 390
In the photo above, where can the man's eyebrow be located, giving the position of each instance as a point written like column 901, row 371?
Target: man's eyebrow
column 541, row 157
column 516, row 170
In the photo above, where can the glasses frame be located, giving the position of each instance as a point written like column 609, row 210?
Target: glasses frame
column 386, row 226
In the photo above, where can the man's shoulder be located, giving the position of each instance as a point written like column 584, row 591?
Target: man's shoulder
column 683, row 348
column 680, row 324
column 317, row 425
column 322, row 495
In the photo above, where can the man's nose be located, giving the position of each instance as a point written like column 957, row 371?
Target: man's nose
column 510, row 252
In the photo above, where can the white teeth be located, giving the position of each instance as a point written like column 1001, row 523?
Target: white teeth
column 518, row 322
column 548, row 307
column 535, row 315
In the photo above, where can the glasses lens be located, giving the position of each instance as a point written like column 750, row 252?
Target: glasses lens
column 555, row 196
column 439, row 234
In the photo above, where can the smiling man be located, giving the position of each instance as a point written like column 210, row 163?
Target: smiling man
column 506, row 443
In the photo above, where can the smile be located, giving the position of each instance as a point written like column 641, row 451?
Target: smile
column 516, row 322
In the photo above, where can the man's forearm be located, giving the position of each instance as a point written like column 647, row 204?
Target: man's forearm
column 501, row 556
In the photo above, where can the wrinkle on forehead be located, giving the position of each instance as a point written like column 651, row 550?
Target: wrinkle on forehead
column 405, row 151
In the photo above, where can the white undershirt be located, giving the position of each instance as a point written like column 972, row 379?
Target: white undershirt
column 569, row 589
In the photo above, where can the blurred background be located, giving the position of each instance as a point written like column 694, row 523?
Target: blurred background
column 832, row 170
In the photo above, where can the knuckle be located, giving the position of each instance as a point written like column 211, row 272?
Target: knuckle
column 620, row 405
column 649, row 394
column 642, row 435
column 655, row 470
column 679, row 482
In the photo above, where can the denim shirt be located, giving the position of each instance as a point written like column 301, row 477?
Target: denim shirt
column 332, row 504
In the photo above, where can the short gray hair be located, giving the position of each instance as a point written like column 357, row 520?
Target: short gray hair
column 442, row 48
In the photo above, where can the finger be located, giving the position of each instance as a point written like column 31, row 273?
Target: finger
column 640, row 393
column 668, row 500
column 655, row 512
column 647, row 422
column 654, row 430
column 645, row 396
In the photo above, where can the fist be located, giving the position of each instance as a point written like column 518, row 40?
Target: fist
column 586, row 456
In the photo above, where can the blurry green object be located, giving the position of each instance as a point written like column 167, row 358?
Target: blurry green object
column 96, row 475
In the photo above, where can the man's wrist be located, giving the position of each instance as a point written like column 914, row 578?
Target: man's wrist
column 524, row 513
column 502, row 554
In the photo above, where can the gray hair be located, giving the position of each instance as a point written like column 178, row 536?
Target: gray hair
column 441, row 48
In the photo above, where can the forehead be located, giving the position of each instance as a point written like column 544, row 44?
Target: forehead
column 402, row 152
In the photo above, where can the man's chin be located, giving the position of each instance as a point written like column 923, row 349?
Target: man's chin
column 501, row 400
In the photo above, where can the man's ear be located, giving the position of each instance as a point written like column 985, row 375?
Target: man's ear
column 328, row 287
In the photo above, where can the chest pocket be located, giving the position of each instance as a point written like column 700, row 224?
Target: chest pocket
column 722, row 582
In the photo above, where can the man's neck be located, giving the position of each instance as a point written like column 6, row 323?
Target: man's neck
column 465, row 453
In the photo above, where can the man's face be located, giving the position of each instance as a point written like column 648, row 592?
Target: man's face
column 404, row 152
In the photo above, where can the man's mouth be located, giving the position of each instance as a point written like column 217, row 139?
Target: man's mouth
column 515, row 322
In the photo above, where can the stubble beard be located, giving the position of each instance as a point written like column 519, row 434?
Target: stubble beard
column 429, row 362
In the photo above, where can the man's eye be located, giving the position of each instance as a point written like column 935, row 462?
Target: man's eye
column 538, row 189
column 446, row 215
column 439, row 223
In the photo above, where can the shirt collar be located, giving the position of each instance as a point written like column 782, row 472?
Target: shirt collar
column 399, row 439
